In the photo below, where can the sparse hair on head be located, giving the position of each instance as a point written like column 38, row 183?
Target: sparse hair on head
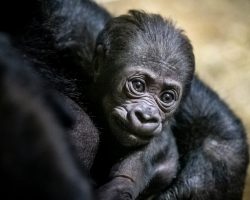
column 141, row 37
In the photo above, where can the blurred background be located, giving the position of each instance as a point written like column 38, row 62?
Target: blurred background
column 220, row 34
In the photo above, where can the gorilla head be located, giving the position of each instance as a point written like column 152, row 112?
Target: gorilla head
column 143, row 65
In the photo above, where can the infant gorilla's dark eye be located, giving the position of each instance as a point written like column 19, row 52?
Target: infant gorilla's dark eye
column 138, row 85
column 168, row 97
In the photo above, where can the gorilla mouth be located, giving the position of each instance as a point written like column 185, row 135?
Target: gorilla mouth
column 124, row 127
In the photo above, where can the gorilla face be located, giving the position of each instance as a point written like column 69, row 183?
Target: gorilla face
column 141, row 70
column 140, row 104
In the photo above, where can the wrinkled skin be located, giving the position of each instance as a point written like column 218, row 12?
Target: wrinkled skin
column 137, row 112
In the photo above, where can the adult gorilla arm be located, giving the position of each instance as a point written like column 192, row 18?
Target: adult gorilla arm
column 35, row 158
column 212, row 146
column 58, row 38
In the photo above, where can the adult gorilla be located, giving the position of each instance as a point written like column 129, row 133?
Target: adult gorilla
column 58, row 38
column 35, row 158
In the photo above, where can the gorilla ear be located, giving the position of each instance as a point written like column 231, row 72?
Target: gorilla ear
column 99, row 49
column 99, row 54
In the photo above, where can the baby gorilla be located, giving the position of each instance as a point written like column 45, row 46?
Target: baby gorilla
column 143, row 68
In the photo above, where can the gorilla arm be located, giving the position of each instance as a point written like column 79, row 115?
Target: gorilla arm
column 152, row 167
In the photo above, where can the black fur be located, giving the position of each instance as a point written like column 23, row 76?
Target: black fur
column 212, row 146
column 58, row 39
column 36, row 161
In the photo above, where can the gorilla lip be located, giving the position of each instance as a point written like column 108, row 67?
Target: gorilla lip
column 122, row 125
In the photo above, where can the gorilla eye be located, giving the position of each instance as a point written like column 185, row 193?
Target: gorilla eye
column 168, row 97
column 138, row 85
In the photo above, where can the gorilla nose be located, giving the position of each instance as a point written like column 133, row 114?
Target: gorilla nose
column 145, row 119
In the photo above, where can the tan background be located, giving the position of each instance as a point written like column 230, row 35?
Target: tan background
column 220, row 33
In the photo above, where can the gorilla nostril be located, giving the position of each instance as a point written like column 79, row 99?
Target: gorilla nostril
column 145, row 118
column 140, row 116
column 154, row 119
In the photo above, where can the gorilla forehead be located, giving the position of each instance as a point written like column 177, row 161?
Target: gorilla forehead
column 144, row 31
column 127, row 65
column 146, row 39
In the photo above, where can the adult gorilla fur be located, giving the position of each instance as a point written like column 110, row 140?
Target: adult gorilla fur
column 47, row 138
